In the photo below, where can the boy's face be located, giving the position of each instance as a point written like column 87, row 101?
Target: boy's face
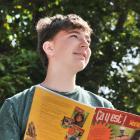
column 72, row 49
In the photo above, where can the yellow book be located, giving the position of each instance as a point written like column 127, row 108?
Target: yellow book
column 49, row 115
column 55, row 117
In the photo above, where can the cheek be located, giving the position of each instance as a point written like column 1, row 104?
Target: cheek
column 88, row 53
column 71, row 42
column 67, row 46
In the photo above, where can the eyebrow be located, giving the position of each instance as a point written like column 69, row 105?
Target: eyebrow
column 87, row 37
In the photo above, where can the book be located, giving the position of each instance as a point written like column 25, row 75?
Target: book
column 55, row 117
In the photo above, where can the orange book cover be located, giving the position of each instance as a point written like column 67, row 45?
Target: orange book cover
column 109, row 124
column 55, row 117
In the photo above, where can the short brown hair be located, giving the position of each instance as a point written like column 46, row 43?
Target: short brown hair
column 48, row 27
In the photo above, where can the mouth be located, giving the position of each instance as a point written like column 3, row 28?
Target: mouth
column 81, row 55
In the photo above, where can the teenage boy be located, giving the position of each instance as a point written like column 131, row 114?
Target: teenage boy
column 64, row 47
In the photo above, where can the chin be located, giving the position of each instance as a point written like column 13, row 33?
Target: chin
column 79, row 65
column 80, row 68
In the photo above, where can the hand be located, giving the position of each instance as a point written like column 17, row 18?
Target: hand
column 31, row 132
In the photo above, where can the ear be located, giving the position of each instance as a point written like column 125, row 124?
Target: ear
column 48, row 48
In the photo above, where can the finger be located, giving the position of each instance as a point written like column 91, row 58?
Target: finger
column 32, row 133
column 28, row 131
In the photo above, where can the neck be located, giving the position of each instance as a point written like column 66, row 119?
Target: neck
column 60, row 79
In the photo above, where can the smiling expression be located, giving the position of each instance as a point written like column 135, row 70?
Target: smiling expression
column 72, row 49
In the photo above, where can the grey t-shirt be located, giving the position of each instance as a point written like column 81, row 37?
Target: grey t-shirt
column 15, row 110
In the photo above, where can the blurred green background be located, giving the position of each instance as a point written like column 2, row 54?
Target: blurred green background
column 114, row 68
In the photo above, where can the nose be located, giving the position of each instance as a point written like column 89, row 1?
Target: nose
column 84, row 43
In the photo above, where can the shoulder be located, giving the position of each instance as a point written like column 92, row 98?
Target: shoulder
column 95, row 100
column 19, row 104
column 15, row 111
column 22, row 96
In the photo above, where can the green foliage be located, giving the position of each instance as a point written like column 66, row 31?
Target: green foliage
column 111, row 72
column 18, row 70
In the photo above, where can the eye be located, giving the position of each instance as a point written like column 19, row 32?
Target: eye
column 74, row 36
